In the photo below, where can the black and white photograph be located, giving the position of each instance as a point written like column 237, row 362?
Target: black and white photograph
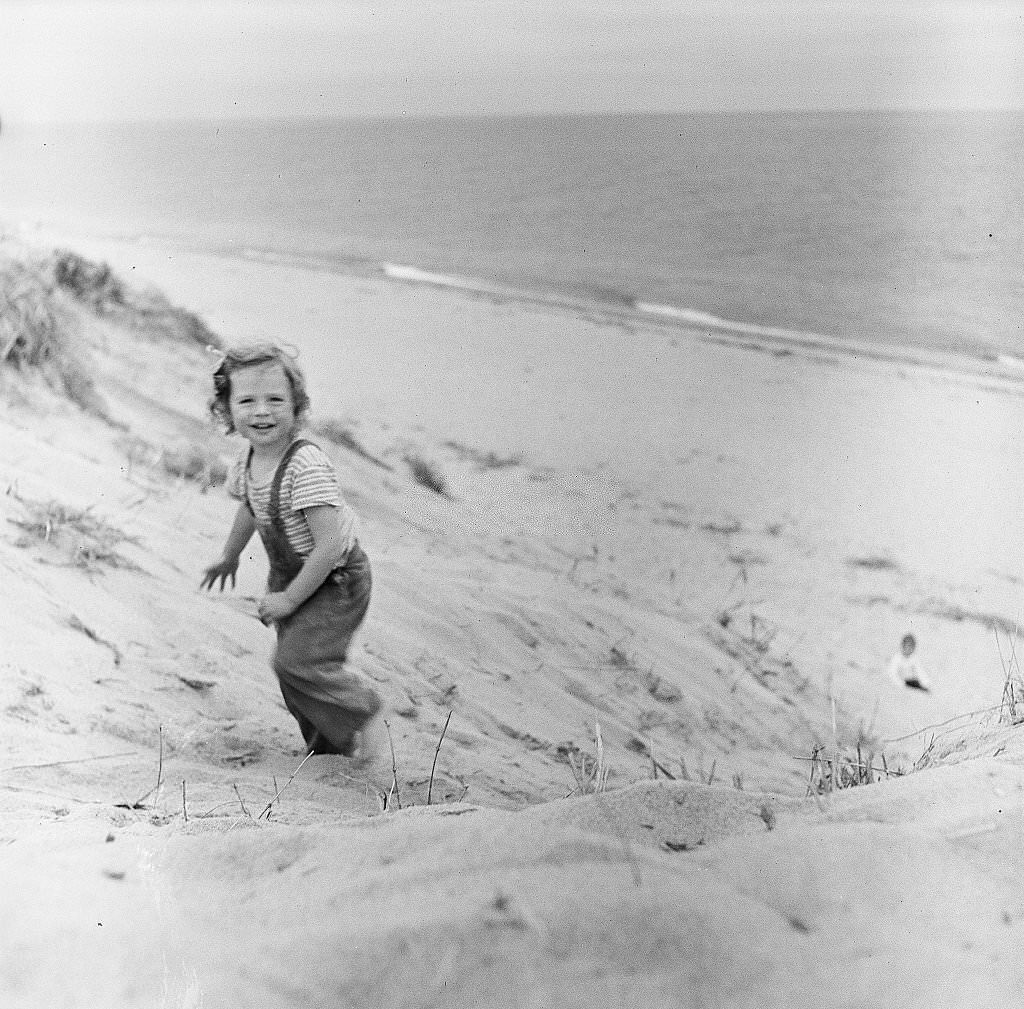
column 511, row 504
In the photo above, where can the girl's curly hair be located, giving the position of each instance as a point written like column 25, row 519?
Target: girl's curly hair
column 250, row 356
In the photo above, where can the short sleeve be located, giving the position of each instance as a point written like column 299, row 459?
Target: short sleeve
column 312, row 480
column 235, row 483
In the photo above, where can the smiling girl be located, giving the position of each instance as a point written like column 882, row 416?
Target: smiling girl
column 319, row 584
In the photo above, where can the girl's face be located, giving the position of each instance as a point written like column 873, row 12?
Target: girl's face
column 263, row 407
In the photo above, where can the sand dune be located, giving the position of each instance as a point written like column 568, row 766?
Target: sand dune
column 703, row 550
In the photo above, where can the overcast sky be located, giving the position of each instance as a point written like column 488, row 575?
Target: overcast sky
column 124, row 59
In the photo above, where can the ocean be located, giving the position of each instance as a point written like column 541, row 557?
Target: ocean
column 899, row 228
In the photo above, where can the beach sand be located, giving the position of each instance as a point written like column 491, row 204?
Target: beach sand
column 693, row 550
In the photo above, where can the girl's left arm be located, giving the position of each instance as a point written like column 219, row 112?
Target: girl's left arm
column 328, row 552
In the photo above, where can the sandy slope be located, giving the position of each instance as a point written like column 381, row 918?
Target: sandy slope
column 707, row 549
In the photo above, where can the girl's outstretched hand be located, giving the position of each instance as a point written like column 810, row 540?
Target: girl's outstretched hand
column 223, row 569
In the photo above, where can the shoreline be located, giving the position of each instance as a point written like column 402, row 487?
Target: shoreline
column 972, row 362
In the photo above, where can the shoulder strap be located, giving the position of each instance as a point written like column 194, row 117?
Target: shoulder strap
column 282, row 466
column 245, row 481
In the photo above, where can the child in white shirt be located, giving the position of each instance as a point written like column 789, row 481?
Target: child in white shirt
column 905, row 668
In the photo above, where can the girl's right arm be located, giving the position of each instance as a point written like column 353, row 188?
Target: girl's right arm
column 226, row 567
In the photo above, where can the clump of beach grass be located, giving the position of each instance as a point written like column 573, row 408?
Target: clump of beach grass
column 840, row 770
column 339, row 433
column 484, row 460
column 591, row 773
column 196, row 463
column 1011, row 705
column 148, row 313
column 30, row 331
column 42, row 306
column 93, row 283
column 427, row 474
column 705, row 779
column 38, row 333
column 87, row 540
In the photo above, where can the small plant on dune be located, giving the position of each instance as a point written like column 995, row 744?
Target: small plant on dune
column 704, row 779
column 87, row 540
column 619, row 659
column 427, row 474
column 762, row 633
column 591, row 773
column 845, row 770
column 758, row 637
column 196, row 463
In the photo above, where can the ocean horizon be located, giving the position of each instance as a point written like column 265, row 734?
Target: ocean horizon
column 898, row 229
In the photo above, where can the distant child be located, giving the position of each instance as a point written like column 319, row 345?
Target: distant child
column 904, row 667
column 319, row 585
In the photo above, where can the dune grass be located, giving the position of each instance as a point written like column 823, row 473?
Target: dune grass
column 591, row 773
column 428, row 474
column 1011, row 706
column 88, row 541
column 484, row 460
column 339, row 433
column 30, row 331
column 149, row 313
column 831, row 773
column 197, row 463
column 44, row 303
column 38, row 333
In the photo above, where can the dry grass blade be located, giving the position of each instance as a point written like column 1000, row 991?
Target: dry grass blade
column 140, row 802
column 430, row 787
column 927, row 755
column 602, row 766
column 241, row 801
column 270, row 805
column 394, row 768
column 64, row 763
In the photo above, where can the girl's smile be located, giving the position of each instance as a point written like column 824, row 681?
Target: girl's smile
column 263, row 408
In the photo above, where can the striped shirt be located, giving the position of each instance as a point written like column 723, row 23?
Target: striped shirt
column 309, row 481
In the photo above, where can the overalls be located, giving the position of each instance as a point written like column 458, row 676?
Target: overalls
column 330, row 703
